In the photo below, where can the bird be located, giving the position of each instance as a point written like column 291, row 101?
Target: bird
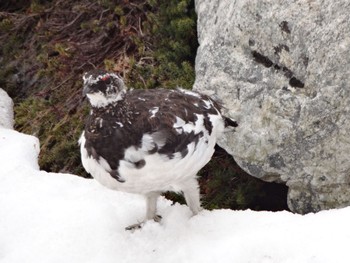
column 149, row 141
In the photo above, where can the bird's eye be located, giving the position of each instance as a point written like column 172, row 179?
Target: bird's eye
column 106, row 79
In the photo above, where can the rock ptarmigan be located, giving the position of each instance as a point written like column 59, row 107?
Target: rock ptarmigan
column 148, row 141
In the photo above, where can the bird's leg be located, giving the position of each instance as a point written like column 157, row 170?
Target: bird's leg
column 151, row 205
column 151, row 200
column 192, row 196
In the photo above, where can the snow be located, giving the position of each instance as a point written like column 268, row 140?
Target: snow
column 49, row 217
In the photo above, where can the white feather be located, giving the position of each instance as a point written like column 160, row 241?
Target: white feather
column 100, row 100
column 153, row 111
column 159, row 173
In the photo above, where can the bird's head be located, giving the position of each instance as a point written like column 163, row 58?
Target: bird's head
column 103, row 88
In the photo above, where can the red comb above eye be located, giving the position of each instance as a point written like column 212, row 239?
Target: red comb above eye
column 105, row 77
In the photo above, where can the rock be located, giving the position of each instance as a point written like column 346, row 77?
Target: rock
column 282, row 70
column 6, row 110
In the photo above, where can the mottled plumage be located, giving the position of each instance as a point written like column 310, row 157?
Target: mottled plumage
column 148, row 141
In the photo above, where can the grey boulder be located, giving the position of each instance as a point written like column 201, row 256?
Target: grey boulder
column 6, row 110
column 282, row 69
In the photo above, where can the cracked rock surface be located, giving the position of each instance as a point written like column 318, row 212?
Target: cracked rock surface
column 6, row 110
column 282, row 69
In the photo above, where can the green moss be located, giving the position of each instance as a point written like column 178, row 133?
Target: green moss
column 5, row 79
column 106, row 3
column 11, row 46
column 29, row 113
column 118, row 10
column 6, row 25
column 109, row 64
column 172, row 45
column 58, row 137
column 62, row 50
column 37, row 6
column 60, row 149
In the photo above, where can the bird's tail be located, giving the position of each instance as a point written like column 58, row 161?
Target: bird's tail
column 230, row 124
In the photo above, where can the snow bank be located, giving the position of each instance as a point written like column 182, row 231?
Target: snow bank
column 47, row 217
column 6, row 110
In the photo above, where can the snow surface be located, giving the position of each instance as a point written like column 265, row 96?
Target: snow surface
column 48, row 217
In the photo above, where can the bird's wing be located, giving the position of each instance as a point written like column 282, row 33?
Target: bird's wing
column 147, row 123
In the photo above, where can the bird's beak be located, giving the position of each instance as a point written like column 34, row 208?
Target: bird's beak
column 83, row 98
column 86, row 90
